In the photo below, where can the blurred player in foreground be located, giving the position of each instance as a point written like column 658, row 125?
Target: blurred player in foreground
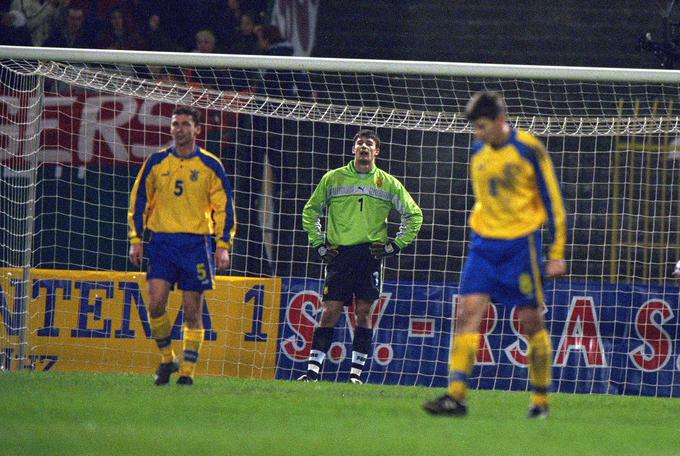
column 183, row 196
column 358, row 198
column 516, row 192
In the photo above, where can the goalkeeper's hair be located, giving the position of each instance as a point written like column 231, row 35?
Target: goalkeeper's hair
column 187, row 111
column 485, row 104
column 367, row 133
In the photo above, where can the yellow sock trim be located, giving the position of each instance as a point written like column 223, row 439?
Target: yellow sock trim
column 463, row 354
column 193, row 339
column 540, row 360
column 161, row 328
column 458, row 390
column 461, row 363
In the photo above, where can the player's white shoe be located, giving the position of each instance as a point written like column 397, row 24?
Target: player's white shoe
column 356, row 380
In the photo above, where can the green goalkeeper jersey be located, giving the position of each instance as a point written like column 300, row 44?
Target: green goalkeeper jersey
column 357, row 207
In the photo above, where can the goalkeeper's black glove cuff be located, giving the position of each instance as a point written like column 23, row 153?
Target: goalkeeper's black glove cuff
column 379, row 250
column 327, row 253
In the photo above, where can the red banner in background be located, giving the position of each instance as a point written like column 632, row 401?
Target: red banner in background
column 93, row 129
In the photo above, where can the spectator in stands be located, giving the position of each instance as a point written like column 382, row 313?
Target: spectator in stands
column 59, row 19
column 135, row 12
column 246, row 42
column 233, row 14
column 227, row 22
column 156, row 37
column 13, row 29
column 75, row 34
column 39, row 16
column 102, row 8
column 271, row 42
column 118, row 34
column 234, row 11
column 206, row 43
column 291, row 84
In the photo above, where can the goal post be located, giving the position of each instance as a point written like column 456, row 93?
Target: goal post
column 75, row 126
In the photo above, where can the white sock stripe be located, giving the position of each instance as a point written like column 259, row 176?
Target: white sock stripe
column 317, row 356
column 355, row 371
column 359, row 358
column 314, row 367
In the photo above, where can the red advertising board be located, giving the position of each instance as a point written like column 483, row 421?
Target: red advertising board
column 92, row 129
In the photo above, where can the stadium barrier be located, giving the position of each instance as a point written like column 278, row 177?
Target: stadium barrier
column 97, row 321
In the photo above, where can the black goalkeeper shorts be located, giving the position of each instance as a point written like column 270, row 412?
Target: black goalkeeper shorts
column 353, row 273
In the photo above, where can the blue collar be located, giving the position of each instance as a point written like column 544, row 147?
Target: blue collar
column 173, row 151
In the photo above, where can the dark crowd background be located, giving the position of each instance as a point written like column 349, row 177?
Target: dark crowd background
column 630, row 33
column 225, row 26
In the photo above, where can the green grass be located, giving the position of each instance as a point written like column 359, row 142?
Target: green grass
column 93, row 414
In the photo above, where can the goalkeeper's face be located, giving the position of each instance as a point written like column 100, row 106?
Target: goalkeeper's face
column 184, row 131
column 365, row 151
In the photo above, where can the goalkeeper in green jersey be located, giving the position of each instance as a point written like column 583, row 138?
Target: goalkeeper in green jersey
column 357, row 198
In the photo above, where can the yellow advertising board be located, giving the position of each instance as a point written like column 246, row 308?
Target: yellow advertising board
column 98, row 322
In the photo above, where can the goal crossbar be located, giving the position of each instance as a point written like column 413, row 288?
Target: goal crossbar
column 596, row 74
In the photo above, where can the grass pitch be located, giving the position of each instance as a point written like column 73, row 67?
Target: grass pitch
column 117, row 414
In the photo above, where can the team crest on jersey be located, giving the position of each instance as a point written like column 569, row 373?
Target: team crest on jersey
column 378, row 181
column 194, row 175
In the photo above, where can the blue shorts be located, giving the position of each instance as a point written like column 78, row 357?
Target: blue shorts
column 353, row 273
column 182, row 259
column 507, row 270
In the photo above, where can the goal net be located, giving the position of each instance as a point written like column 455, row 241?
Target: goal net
column 75, row 128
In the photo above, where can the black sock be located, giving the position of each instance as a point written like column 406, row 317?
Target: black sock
column 360, row 348
column 323, row 337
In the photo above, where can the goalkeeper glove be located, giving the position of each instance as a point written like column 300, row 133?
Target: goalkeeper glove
column 380, row 250
column 327, row 253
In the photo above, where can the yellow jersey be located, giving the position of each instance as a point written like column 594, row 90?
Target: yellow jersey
column 176, row 194
column 516, row 191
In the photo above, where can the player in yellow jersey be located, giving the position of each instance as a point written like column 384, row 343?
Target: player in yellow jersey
column 516, row 193
column 183, row 197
